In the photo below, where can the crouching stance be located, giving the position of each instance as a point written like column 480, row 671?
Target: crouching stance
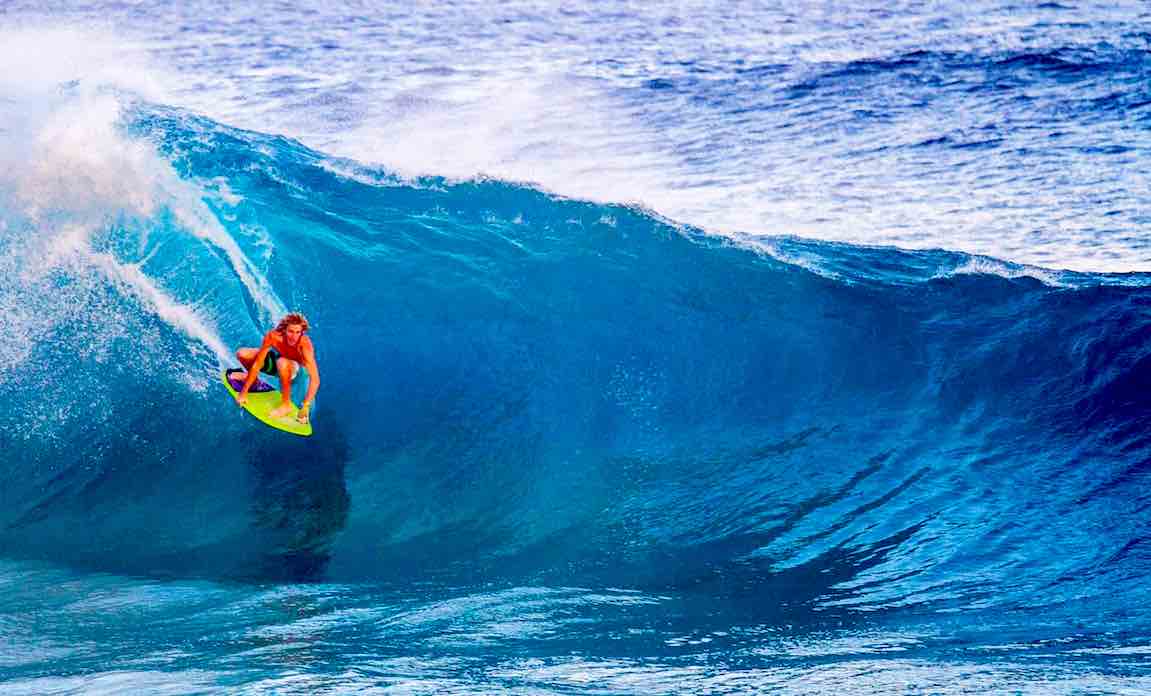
column 284, row 349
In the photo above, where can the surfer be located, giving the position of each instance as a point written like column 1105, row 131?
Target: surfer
column 282, row 352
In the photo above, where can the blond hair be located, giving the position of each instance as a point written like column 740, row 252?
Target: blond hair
column 292, row 318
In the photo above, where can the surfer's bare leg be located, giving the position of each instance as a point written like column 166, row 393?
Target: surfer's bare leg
column 287, row 370
column 246, row 356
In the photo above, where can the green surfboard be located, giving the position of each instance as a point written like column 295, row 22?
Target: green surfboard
column 262, row 398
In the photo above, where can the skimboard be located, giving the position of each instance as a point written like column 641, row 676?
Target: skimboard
column 262, row 398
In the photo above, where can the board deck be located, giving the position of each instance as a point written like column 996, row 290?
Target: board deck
column 262, row 398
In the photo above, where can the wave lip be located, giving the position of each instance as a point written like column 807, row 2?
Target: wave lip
column 991, row 132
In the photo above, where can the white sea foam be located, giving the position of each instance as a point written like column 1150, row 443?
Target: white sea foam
column 573, row 116
column 69, row 173
column 984, row 266
column 43, row 60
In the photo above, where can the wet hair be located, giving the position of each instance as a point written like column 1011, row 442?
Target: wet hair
column 292, row 318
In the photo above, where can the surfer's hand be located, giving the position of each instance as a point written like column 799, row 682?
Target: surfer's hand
column 302, row 416
column 242, row 399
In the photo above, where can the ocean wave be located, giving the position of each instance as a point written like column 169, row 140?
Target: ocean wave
column 550, row 388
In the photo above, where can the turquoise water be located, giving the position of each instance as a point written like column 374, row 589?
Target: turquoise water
column 764, row 350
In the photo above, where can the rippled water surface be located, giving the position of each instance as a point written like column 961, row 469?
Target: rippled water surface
column 666, row 348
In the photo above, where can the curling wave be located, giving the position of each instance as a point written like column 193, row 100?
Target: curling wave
column 539, row 387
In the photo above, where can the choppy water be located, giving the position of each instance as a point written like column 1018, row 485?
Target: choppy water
column 625, row 389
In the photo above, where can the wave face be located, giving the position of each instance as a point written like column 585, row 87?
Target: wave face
column 524, row 393
column 526, row 387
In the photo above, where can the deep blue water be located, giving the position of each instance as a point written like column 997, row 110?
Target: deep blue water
column 665, row 349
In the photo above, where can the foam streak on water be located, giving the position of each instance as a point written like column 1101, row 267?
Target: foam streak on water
column 76, row 185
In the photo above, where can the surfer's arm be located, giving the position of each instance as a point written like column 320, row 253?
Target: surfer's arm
column 313, row 374
column 313, row 379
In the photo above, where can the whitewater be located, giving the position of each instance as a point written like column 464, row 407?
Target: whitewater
column 667, row 347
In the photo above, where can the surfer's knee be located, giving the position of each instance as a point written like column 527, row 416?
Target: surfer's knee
column 285, row 366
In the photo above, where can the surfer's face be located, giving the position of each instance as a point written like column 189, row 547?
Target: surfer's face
column 292, row 333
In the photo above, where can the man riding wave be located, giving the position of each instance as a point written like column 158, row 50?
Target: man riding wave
column 282, row 352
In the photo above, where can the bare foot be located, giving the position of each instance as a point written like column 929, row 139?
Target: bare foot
column 280, row 411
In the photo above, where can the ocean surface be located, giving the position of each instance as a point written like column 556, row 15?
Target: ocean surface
column 667, row 348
